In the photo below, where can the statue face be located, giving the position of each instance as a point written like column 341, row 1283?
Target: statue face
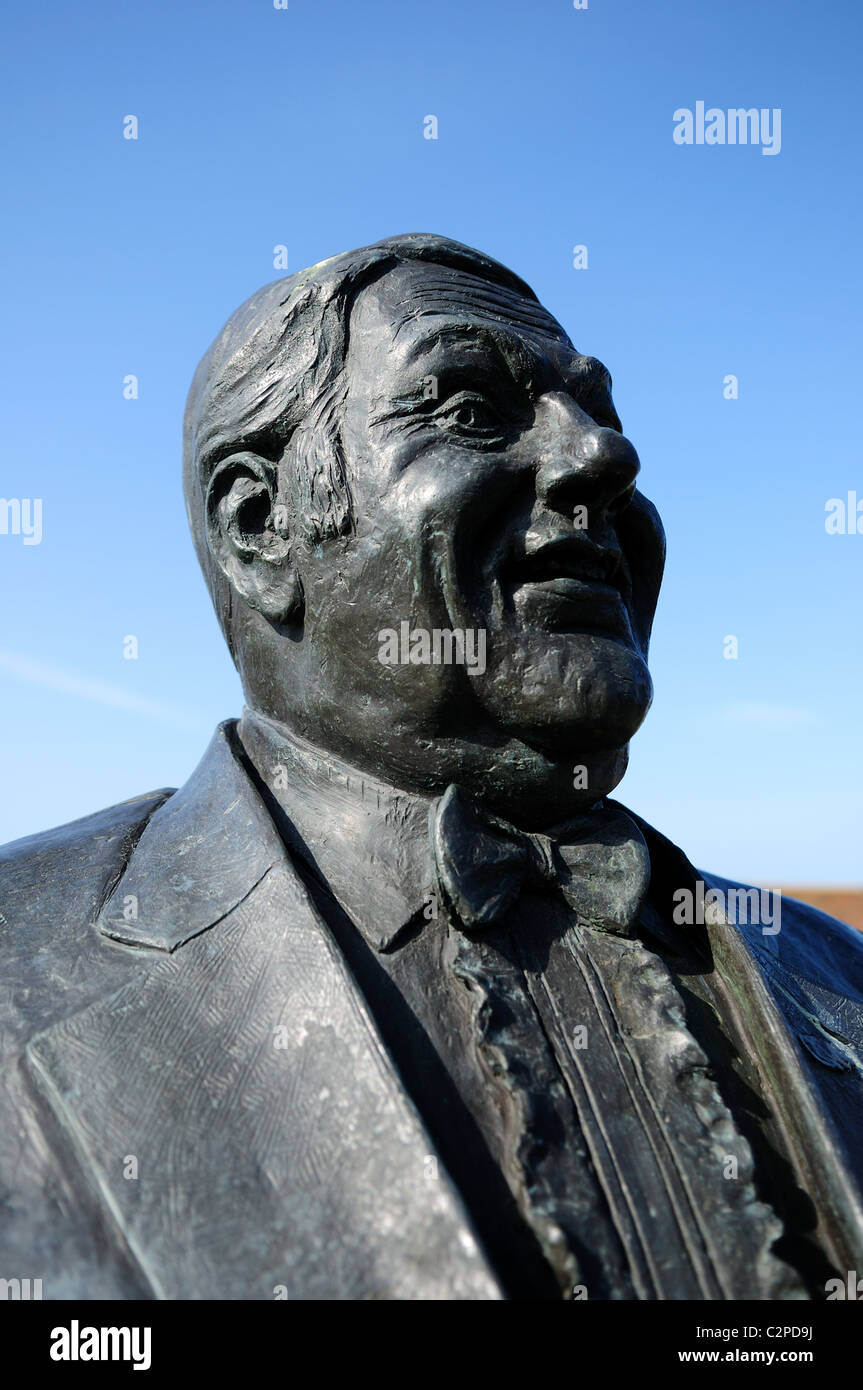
column 493, row 494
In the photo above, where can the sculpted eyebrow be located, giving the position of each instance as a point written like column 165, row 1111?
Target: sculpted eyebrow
column 589, row 381
column 589, row 374
column 470, row 334
column 511, row 353
column 511, row 358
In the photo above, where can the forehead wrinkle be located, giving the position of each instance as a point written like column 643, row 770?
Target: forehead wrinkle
column 509, row 311
column 412, row 287
column 506, row 347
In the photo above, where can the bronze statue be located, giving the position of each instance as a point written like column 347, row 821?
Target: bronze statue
column 391, row 1000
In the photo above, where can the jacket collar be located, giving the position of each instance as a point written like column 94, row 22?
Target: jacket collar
column 201, row 853
column 365, row 839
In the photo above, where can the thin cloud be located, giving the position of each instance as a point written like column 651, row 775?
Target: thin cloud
column 27, row 669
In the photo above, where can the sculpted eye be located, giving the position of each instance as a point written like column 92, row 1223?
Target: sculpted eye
column 470, row 414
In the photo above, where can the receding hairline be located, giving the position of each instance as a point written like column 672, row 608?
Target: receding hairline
column 452, row 291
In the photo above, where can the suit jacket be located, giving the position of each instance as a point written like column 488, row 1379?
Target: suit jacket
column 195, row 1101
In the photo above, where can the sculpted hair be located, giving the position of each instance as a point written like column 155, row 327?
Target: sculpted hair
column 273, row 383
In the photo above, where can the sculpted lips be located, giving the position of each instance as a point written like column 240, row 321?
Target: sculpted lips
column 570, row 581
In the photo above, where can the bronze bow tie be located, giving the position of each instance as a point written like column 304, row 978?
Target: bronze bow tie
column 481, row 864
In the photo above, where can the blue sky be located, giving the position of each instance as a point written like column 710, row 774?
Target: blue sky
column 304, row 127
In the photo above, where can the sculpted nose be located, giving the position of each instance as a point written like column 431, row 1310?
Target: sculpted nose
column 581, row 462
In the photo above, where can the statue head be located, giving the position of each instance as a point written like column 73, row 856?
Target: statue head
column 416, row 513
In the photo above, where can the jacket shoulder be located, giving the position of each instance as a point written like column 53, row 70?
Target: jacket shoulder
column 42, row 871
column 802, row 939
column 52, row 885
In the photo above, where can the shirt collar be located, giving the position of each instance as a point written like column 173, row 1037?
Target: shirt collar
column 366, row 840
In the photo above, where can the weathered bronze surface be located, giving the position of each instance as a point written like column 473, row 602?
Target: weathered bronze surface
column 391, row 1000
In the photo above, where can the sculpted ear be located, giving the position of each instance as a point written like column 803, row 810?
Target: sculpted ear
column 249, row 536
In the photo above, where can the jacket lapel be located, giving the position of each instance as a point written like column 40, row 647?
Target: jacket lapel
column 233, row 1101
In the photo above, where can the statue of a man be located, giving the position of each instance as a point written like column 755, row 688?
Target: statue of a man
column 390, row 1000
